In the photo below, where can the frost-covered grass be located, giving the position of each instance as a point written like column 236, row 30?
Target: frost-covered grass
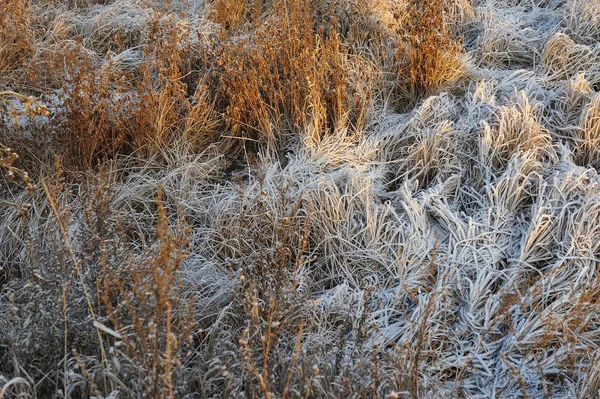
column 268, row 200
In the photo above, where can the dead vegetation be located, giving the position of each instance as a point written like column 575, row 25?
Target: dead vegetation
column 299, row 198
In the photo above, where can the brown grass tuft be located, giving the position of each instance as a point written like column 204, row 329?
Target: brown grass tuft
column 289, row 74
column 16, row 37
column 429, row 58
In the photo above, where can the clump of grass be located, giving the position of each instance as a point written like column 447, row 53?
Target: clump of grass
column 8, row 158
column 232, row 15
column 563, row 59
column 584, row 20
column 508, row 39
column 110, row 110
column 429, row 58
column 517, row 129
column 272, row 308
column 16, row 37
column 149, row 315
column 121, row 307
column 288, row 76
column 587, row 141
column 7, row 164
column 572, row 98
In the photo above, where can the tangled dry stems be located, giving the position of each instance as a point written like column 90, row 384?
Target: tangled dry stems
column 299, row 199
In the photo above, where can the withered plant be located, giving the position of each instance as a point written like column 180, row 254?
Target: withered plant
column 429, row 58
column 16, row 38
column 288, row 76
column 150, row 316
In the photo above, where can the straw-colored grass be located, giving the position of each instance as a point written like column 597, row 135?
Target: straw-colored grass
column 299, row 199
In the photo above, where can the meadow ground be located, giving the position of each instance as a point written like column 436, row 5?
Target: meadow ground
column 299, row 198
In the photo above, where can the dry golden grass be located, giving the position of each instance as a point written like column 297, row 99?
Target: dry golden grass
column 299, row 199
column 275, row 71
column 108, row 110
column 288, row 76
column 16, row 38
column 429, row 56
column 587, row 146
